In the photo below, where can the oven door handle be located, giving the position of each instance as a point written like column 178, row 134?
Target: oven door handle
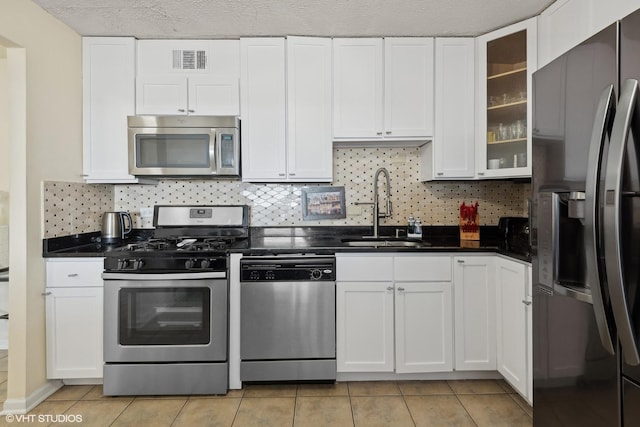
column 165, row 276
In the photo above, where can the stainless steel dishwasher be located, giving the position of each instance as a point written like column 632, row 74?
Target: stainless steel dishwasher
column 288, row 318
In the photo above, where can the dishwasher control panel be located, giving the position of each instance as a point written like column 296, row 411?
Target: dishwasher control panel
column 281, row 269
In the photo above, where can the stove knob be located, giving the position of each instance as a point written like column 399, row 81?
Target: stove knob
column 137, row 264
column 316, row 274
column 122, row 264
column 205, row 263
column 189, row 263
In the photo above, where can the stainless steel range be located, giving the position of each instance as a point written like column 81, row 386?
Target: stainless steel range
column 166, row 304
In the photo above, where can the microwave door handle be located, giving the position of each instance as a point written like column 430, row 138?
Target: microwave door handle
column 214, row 151
column 601, row 128
column 612, row 221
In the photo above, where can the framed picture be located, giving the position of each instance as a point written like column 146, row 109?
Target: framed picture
column 323, row 203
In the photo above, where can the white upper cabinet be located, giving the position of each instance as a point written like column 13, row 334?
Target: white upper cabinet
column 286, row 109
column 506, row 59
column 309, row 145
column 451, row 154
column 108, row 85
column 263, row 109
column 383, row 89
column 408, row 84
column 357, row 88
column 198, row 77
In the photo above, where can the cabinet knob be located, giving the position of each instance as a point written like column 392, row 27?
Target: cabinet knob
column 389, row 288
column 401, row 289
column 72, row 275
column 525, row 302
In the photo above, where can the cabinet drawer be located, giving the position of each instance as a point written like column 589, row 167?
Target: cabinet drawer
column 364, row 268
column 76, row 272
column 422, row 268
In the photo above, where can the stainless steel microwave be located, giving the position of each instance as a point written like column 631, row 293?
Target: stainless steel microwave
column 184, row 145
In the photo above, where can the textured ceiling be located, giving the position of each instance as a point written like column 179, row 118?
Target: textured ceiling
column 235, row 18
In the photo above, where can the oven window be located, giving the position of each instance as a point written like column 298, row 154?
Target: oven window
column 164, row 316
column 173, row 151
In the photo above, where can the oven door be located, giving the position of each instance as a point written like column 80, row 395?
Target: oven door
column 165, row 317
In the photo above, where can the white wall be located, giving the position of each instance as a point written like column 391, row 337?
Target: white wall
column 45, row 131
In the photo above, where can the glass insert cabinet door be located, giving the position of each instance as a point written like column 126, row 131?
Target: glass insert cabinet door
column 509, row 60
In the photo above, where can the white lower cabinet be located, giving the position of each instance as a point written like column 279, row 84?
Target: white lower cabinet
column 424, row 327
column 512, row 342
column 74, row 318
column 475, row 313
column 364, row 330
column 394, row 313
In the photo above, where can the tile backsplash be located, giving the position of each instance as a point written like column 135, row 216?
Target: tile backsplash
column 75, row 207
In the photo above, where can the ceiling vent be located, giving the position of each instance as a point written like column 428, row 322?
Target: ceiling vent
column 189, row 59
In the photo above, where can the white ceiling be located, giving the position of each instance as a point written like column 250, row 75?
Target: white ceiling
column 338, row 18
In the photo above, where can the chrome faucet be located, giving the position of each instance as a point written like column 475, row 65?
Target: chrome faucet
column 376, row 205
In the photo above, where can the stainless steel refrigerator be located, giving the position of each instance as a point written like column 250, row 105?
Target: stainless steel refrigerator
column 585, row 222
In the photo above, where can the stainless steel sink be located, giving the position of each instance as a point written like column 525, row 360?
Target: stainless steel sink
column 381, row 243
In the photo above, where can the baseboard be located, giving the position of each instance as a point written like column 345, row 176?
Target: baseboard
column 23, row 406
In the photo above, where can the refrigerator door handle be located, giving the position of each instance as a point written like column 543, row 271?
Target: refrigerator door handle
column 601, row 127
column 612, row 218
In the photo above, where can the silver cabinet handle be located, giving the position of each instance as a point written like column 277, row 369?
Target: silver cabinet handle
column 525, row 302
column 378, row 133
column 612, row 226
column 192, row 111
column 389, row 288
column 460, row 261
column 281, row 174
column 401, row 289
column 72, row 275
column 46, row 293
column 440, row 173
column 592, row 232
column 292, row 174
column 481, row 173
column 181, row 110
column 388, row 132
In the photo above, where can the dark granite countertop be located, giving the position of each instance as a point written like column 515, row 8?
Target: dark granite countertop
column 320, row 240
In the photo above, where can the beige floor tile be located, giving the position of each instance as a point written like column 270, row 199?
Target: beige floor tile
column 409, row 388
column 323, row 411
column 476, row 387
column 265, row 412
column 373, row 388
column 506, row 386
column 4, row 364
column 96, row 394
column 3, row 391
column 93, row 413
column 271, row 390
column 208, row 412
column 337, row 389
column 147, row 412
column 495, row 411
column 522, row 403
column 230, row 394
column 436, row 411
column 70, row 392
column 383, row 411
column 3, row 376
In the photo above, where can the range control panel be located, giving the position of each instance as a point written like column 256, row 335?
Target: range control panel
column 288, row 269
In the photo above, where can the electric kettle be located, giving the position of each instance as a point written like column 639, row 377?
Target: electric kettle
column 114, row 226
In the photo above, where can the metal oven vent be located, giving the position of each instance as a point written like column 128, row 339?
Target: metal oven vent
column 189, row 59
